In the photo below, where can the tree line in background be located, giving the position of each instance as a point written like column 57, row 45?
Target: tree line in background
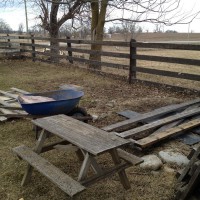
column 126, row 29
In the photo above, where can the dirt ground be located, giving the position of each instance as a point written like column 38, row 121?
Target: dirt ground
column 100, row 91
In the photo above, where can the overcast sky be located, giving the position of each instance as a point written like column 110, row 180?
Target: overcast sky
column 16, row 15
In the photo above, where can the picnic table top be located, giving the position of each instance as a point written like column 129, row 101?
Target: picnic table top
column 85, row 136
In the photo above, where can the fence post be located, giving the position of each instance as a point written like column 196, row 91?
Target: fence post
column 20, row 44
column 33, row 47
column 69, row 45
column 132, row 69
column 9, row 44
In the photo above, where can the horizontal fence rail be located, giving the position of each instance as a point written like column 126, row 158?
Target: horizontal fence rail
column 40, row 49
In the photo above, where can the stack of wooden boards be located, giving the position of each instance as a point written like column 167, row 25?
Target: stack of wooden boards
column 189, row 179
column 9, row 106
column 147, row 129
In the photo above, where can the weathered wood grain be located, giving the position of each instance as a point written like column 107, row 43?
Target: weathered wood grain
column 127, row 124
column 134, row 160
column 11, row 107
column 191, row 185
column 122, row 174
column 83, row 135
column 139, row 131
column 152, row 139
column 7, row 111
column 195, row 157
column 62, row 180
column 19, row 90
column 170, row 125
column 188, row 76
column 14, row 96
column 105, row 174
column 185, row 61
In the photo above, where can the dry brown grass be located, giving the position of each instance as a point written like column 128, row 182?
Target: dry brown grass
column 180, row 68
column 99, row 90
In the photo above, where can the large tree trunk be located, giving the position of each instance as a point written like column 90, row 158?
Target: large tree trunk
column 97, row 29
column 53, row 31
column 54, row 45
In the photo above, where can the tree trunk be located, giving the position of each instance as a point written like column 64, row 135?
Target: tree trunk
column 97, row 27
column 54, row 45
column 53, row 31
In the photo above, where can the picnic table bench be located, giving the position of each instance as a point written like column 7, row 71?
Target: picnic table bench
column 90, row 142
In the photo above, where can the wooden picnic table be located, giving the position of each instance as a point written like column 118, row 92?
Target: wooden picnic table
column 90, row 142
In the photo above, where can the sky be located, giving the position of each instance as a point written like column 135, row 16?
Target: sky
column 16, row 15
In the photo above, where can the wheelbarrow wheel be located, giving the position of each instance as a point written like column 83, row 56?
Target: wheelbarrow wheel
column 79, row 112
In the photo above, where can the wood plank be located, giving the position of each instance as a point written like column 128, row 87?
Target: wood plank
column 170, row 125
column 95, row 52
column 11, row 107
column 84, row 168
column 4, row 98
column 187, row 76
column 131, row 114
column 85, row 136
column 19, row 90
column 37, row 149
column 14, row 96
column 114, row 65
column 184, row 61
column 193, row 47
column 2, row 102
column 126, row 124
column 51, row 146
column 18, row 115
column 139, row 132
column 6, row 111
column 122, row 174
column 55, row 175
column 134, row 160
column 194, row 158
column 193, row 183
column 152, row 139
column 105, row 174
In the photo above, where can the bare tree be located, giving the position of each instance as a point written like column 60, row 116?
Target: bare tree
column 4, row 27
column 130, row 30
column 166, row 12
column 53, row 14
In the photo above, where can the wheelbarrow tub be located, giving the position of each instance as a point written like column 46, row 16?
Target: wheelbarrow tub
column 65, row 102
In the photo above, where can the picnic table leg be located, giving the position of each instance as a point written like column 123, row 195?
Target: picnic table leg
column 37, row 149
column 95, row 166
column 122, row 174
column 89, row 161
column 84, row 168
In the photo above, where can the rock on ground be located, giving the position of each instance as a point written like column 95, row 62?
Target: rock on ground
column 171, row 157
column 151, row 162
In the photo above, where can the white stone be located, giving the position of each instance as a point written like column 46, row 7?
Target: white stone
column 171, row 157
column 169, row 170
column 94, row 117
column 111, row 103
column 151, row 162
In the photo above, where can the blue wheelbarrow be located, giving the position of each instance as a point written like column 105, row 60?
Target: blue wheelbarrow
column 63, row 102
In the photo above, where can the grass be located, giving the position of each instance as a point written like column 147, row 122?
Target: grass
column 180, row 68
column 99, row 90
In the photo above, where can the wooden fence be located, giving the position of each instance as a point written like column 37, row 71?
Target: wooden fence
column 28, row 44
